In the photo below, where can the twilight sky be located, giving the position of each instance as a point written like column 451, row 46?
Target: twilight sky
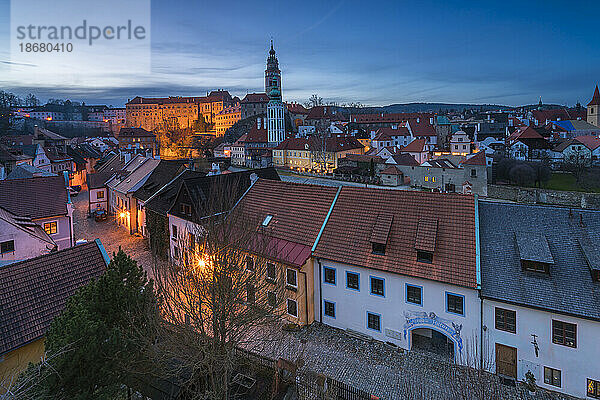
column 376, row 52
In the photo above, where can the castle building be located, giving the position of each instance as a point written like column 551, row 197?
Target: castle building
column 275, row 107
column 593, row 109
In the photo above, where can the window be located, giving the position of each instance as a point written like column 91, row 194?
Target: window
column 352, row 280
column 100, row 195
column 564, row 333
column 192, row 241
column 292, row 307
column 291, row 278
column 373, row 321
column 329, row 275
column 593, row 388
column 534, row 266
column 506, row 320
column 174, row 231
column 271, row 271
column 473, row 173
column 267, row 219
column 7, row 247
column 377, row 286
column 50, row 227
column 424, row 256
column 329, row 309
column 455, row 303
column 426, row 179
column 271, row 299
column 378, row 248
column 414, row 294
column 250, row 294
column 175, row 252
column 186, row 209
column 552, row 376
column 249, row 263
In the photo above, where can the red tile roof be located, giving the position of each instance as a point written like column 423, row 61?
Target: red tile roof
column 38, row 197
column 477, row 159
column 387, row 133
column 256, row 98
column 591, row 142
column 421, row 127
column 288, row 204
column 346, row 235
column 296, row 108
column 596, row 98
column 416, row 146
column 392, row 170
column 36, row 290
column 325, row 112
column 405, row 159
column 214, row 96
column 558, row 114
column 524, row 132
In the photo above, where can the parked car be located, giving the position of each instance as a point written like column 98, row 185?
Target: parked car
column 77, row 188
column 100, row 215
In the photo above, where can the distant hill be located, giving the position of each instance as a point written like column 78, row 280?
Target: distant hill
column 430, row 107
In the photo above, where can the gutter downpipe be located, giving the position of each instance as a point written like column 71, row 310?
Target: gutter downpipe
column 478, row 273
column 315, row 246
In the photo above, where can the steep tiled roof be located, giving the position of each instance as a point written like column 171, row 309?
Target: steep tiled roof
column 217, row 95
column 558, row 114
column 524, row 132
column 591, row 142
column 365, row 158
column 34, row 197
column 162, row 201
column 256, row 98
column 346, row 236
column 27, row 225
column 288, row 204
column 416, row 146
column 477, row 159
column 135, row 179
column 386, row 133
column 567, row 238
column 404, row 159
column 296, row 108
column 391, row 170
column 160, row 176
column 37, row 290
column 421, row 127
column 325, row 112
column 595, row 98
column 105, row 172
column 22, row 171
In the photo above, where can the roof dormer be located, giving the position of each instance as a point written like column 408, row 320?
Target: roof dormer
column 380, row 233
column 534, row 252
column 425, row 239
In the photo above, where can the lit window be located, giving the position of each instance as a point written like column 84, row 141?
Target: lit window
column 51, row 227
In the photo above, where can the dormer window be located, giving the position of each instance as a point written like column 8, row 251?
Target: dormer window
column 425, row 240
column 380, row 233
column 534, row 252
column 424, row 256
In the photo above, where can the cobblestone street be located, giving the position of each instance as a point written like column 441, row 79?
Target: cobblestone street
column 110, row 234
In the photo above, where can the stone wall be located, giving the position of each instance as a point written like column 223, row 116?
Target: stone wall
column 545, row 196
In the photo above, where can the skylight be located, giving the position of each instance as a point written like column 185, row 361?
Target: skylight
column 267, row 219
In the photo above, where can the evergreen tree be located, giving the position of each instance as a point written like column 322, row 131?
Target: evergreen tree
column 102, row 335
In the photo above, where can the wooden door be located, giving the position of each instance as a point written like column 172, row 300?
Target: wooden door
column 506, row 360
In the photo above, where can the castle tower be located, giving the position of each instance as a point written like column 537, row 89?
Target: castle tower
column 275, row 108
column 593, row 109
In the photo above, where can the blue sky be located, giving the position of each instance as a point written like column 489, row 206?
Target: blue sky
column 377, row 52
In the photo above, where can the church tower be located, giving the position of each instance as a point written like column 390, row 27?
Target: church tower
column 275, row 107
column 593, row 109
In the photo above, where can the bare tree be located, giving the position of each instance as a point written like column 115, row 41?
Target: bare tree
column 313, row 101
column 222, row 295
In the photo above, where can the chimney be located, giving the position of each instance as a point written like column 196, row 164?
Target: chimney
column 253, row 178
